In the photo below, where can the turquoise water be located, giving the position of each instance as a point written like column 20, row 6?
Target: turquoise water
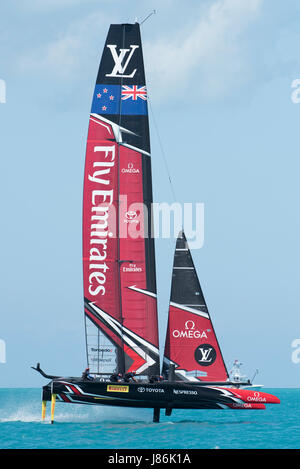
column 90, row 427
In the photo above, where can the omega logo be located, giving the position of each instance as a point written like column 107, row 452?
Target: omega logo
column 189, row 325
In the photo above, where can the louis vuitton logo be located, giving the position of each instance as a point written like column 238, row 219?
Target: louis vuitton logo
column 119, row 69
column 205, row 354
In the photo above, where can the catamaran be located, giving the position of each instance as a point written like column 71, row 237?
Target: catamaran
column 120, row 295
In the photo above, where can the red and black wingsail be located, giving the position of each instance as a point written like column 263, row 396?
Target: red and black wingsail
column 118, row 251
column 191, row 344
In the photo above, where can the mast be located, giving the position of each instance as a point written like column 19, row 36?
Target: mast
column 118, row 251
column 121, row 356
column 191, row 343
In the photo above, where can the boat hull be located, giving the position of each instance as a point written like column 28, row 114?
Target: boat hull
column 168, row 395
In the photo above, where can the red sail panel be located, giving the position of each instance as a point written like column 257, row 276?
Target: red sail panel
column 191, row 343
column 100, row 269
column 118, row 251
column 193, row 346
column 139, row 311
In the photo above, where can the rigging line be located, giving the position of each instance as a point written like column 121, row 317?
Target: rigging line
column 150, row 14
column 162, row 150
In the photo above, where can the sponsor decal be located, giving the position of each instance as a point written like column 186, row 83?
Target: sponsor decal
column 101, row 201
column 132, row 268
column 103, row 360
column 107, row 355
column 131, row 216
column 123, row 56
column 241, row 406
column 117, row 388
column 190, row 332
column 130, row 169
column 101, row 349
column 205, row 355
column 256, row 398
column 189, row 325
column 185, row 391
column 155, row 390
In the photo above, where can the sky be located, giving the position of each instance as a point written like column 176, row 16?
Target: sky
column 220, row 77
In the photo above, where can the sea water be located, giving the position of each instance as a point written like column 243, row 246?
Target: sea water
column 97, row 427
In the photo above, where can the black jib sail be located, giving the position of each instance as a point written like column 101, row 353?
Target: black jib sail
column 191, row 343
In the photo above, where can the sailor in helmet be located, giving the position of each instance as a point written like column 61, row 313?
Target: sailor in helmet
column 129, row 377
column 115, row 377
column 86, row 375
column 156, row 379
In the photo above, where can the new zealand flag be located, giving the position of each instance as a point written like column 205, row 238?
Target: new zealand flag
column 116, row 99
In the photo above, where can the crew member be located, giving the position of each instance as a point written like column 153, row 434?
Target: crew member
column 155, row 378
column 86, row 375
column 129, row 377
column 115, row 377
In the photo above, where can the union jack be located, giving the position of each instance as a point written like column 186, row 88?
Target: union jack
column 134, row 92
